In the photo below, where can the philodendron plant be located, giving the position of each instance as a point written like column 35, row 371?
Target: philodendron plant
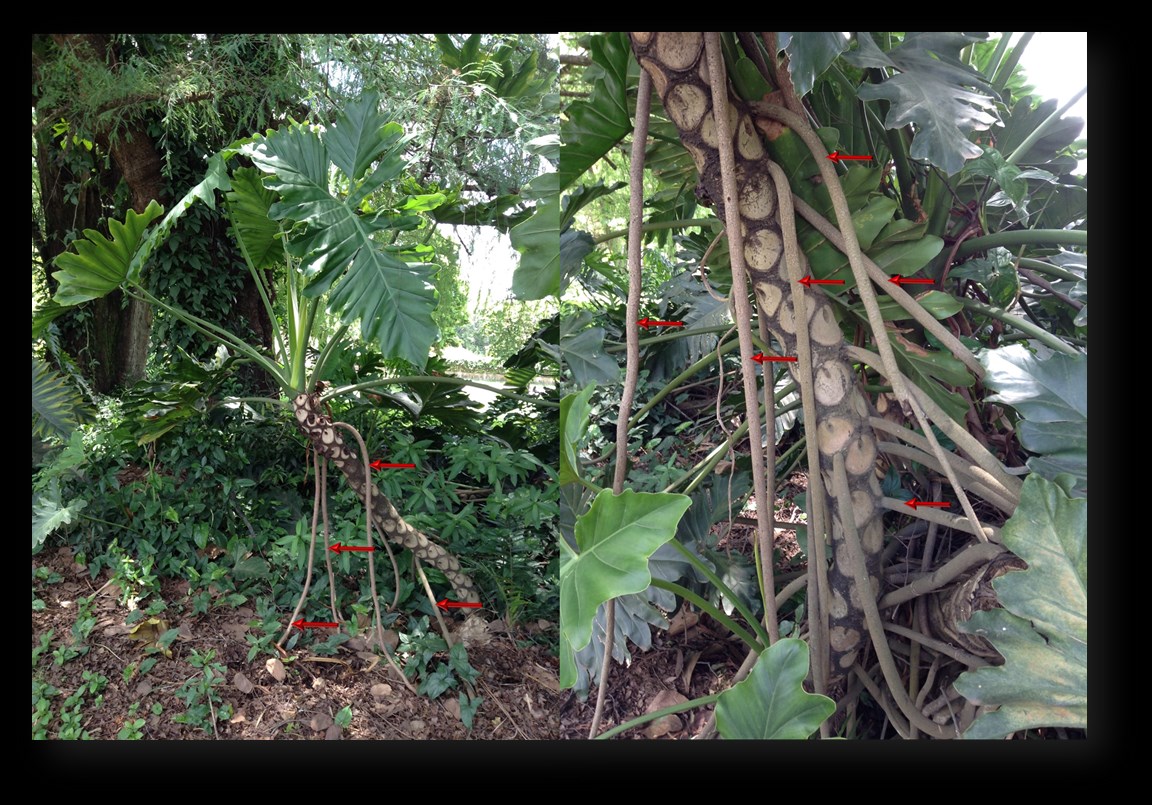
column 311, row 210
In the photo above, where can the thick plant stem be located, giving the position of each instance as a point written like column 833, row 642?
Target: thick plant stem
column 1024, row 237
column 677, row 65
column 322, row 433
column 1040, row 130
column 379, row 624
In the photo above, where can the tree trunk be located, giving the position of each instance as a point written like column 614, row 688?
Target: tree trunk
column 118, row 334
column 677, row 66
column 92, row 340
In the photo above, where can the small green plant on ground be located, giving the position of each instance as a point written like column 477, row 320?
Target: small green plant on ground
column 47, row 576
column 72, row 709
column 200, row 694
column 85, row 622
column 42, row 694
column 45, row 644
column 134, row 576
column 421, row 651
column 133, row 729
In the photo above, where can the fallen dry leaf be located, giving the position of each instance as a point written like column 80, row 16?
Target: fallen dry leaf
column 914, row 349
column 235, row 629
column 321, row 722
column 149, row 631
column 453, row 707
column 544, row 677
column 689, row 667
column 682, row 621
column 242, row 683
column 665, row 724
column 473, row 632
column 532, row 711
column 276, row 669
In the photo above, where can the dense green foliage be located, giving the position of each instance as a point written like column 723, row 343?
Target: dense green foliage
column 306, row 252
column 971, row 188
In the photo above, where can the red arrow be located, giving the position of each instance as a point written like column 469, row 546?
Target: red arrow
column 444, row 604
column 914, row 503
column 898, row 280
column 337, row 548
column 379, row 465
column 809, row 282
column 761, row 358
column 647, row 322
column 836, row 156
column 303, row 624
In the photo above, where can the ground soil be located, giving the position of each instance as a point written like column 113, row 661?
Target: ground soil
column 299, row 697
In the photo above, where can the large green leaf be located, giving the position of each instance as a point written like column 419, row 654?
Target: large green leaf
column 939, row 304
column 1024, row 119
column 930, row 92
column 392, row 299
column 1051, row 396
column 583, row 195
column 1042, row 632
column 575, row 245
column 996, row 271
column 44, row 315
column 448, row 404
column 772, row 703
column 99, row 265
column 248, row 204
column 538, row 241
column 614, row 538
column 799, row 165
column 899, row 249
column 583, row 351
column 908, row 257
column 595, row 125
column 635, row 616
column 154, row 407
column 48, row 514
column 809, row 54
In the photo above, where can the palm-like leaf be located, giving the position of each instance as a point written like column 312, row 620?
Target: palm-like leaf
column 100, row 265
column 930, row 92
column 392, row 299
column 57, row 408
